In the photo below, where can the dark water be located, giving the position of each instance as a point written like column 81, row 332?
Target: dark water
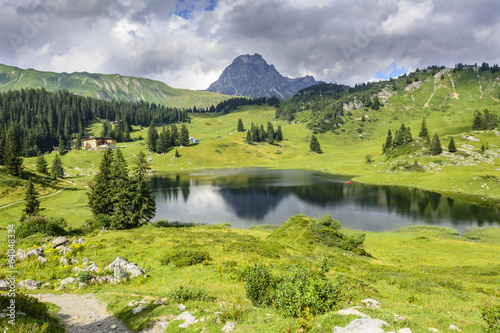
column 253, row 196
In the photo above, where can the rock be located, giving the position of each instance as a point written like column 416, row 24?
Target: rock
column 131, row 268
column 362, row 326
column 181, row 307
column 81, row 285
column 35, row 252
column 60, row 241
column 63, row 262
column 77, row 269
column 120, row 274
column 433, row 329
column 21, row 255
column 398, row 317
column 354, row 312
column 29, row 284
column 48, row 285
column 93, row 268
column 67, row 281
column 41, row 259
column 143, row 301
column 371, row 303
column 187, row 317
column 138, row 309
column 4, row 284
column 78, row 241
column 132, row 303
column 65, row 249
column 158, row 302
column 113, row 327
column 229, row 327
column 454, row 328
column 404, row 330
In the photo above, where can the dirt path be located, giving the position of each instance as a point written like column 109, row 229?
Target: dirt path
column 42, row 196
column 84, row 314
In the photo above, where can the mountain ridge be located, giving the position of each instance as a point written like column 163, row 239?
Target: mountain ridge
column 251, row 76
column 106, row 86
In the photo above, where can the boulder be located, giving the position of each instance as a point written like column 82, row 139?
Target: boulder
column 78, row 241
column 181, row 307
column 362, row 326
column 120, row 274
column 132, row 303
column 229, row 327
column 93, row 268
column 41, row 259
column 354, row 312
column 35, row 252
column 454, row 328
column 60, row 241
column 29, row 284
column 48, row 285
column 21, row 255
column 371, row 303
column 67, row 281
column 138, row 309
column 131, row 268
column 4, row 284
column 143, row 301
column 404, row 330
column 433, row 329
column 187, row 317
column 64, row 250
column 63, row 262
column 158, row 302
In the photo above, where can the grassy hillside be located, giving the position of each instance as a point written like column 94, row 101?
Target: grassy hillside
column 107, row 86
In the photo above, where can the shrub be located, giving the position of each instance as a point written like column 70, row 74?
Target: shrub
column 36, row 316
column 328, row 221
column 84, row 277
column 182, row 294
column 491, row 314
column 294, row 293
column 41, row 224
column 186, row 257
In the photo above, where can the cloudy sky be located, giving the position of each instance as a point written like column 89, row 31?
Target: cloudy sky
column 188, row 43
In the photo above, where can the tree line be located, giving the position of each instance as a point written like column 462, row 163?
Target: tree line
column 257, row 133
column 41, row 120
column 168, row 137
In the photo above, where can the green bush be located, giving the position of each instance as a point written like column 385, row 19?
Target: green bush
column 186, row 257
column 328, row 221
column 84, row 277
column 491, row 314
column 36, row 316
column 41, row 224
column 294, row 293
column 182, row 294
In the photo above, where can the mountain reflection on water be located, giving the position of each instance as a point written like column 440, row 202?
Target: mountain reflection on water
column 253, row 196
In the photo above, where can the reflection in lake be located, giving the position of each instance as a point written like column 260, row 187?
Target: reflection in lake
column 252, row 196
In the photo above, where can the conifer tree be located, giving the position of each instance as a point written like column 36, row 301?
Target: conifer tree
column 161, row 144
column 152, row 137
column 62, row 146
column 41, row 164
column 435, row 147
column 101, row 191
column 240, row 128
column 120, row 190
column 451, row 146
column 56, row 168
column 184, row 136
column 177, row 155
column 78, row 142
column 270, row 133
column 174, row 134
column 262, row 134
column 408, row 137
column 279, row 134
column 388, row 141
column 424, row 133
column 32, row 205
column 2, row 144
column 478, row 122
column 249, row 138
column 314, row 144
column 255, row 133
column 12, row 160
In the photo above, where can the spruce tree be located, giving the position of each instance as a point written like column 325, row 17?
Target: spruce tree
column 120, row 191
column 2, row 144
column 249, row 138
column 435, row 147
column 12, row 160
column 262, row 134
column 56, row 168
column 451, row 146
column 388, row 141
column 240, row 128
column 184, row 136
column 152, row 137
column 174, row 134
column 314, row 144
column 424, row 133
column 177, row 155
column 41, row 165
column 279, row 134
column 142, row 205
column 32, row 205
column 478, row 122
column 161, row 144
column 62, row 146
column 255, row 133
column 270, row 133
column 101, row 190
column 408, row 137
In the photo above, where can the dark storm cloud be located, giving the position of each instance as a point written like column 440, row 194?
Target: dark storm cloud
column 189, row 43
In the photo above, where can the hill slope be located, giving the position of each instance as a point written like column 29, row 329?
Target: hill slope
column 252, row 76
column 107, row 87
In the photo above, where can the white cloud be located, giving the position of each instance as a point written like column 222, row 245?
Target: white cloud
column 408, row 18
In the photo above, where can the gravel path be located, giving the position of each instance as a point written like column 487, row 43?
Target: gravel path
column 84, row 314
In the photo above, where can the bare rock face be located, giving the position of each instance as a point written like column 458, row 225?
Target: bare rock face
column 251, row 76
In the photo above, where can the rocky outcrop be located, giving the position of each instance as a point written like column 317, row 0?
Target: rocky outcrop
column 252, row 76
column 132, row 269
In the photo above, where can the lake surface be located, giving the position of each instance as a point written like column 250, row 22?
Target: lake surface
column 254, row 196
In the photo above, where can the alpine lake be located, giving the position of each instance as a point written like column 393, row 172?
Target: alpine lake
column 255, row 196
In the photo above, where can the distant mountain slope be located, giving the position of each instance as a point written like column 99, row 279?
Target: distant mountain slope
column 107, row 87
column 252, row 76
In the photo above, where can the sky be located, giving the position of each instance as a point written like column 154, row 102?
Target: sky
column 188, row 43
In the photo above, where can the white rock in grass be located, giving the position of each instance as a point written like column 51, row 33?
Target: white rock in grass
column 404, row 330
column 138, row 309
column 60, row 241
column 433, row 329
column 371, row 303
column 362, row 326
column 454, row 328
column 229, row 327
column 354, row 312
column 187, row 317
